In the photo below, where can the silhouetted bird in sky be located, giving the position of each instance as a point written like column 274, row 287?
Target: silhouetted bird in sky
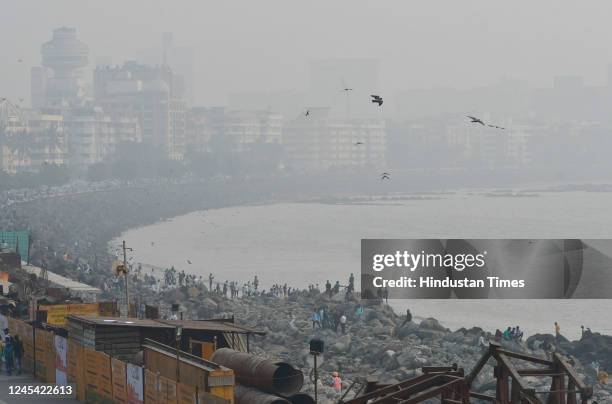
column 377, row 99
column 476, row 120
column 385, row 176
column 347, row 89
column 358, row 143
column 307, row 112
column 189, row 262
column 496, row 127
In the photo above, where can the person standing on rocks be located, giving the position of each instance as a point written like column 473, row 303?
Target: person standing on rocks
column 557, row 330
column 351, row 285
column 408, row 318
column 336, row 383
column 316, row 319
column 255, row 283
column 336, row 287
column 210, row 281
column 328, row 288
column 359, row 313
column 343, row 323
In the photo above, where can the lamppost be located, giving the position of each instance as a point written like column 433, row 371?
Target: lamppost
column 178, row 332
column 125, row 273
column 316, row 349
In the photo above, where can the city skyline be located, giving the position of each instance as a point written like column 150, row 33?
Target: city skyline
column 249, row 55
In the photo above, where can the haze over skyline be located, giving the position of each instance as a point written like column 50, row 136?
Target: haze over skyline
column 267, row 45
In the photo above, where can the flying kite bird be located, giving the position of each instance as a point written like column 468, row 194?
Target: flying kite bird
column 377, row 99
column 476, row 120
column 347, row 89
column 307, row 112
column 385, row 176
column 496, row 127
column 358, row 143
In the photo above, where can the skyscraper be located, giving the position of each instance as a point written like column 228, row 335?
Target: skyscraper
column 66, row 56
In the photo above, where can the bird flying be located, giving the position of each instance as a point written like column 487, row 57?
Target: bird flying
column 189, row 262
column 347, row 89
column 377, row 99
column 476, row 120
column 385, row 176
column 307, row 112
column 480, row 121
column 358, row 143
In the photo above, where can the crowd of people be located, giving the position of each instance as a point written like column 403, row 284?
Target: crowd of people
column 509, row 334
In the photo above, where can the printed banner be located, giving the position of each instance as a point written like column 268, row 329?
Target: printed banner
column 486, row 269
column 135, row 384
column 61, row 361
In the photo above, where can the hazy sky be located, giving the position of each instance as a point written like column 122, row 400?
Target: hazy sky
column 266, row 44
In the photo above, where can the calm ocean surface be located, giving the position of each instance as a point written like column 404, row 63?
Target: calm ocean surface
column 308, row 243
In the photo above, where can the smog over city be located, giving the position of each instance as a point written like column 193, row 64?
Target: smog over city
column 305, row 202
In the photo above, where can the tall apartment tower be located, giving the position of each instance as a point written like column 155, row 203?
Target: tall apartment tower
column 66, row 57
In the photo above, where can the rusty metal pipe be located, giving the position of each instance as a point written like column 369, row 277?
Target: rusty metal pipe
column 301, row 398
column 273, row 377
column 249, row 395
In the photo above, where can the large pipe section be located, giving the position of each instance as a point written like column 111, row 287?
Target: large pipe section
column 301, row 398
column 273, row 377
column 249, row 395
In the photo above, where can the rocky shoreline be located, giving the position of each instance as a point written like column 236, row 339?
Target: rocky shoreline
column 377, row 345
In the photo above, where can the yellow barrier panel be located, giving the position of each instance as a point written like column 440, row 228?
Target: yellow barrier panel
column 167, row 391
column 151, row 387
column 105, row 385
column 187, row 394
column 119, row 381
column 76, row 369
column 40, row 346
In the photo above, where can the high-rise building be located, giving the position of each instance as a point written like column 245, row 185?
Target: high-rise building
column 66, row 57
column 181, row 61
column 149, row 94
column 31, row 139
column 93, row 135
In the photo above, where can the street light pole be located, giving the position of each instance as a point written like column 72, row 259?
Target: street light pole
column 178, row 332
column 125, row 272
column 316, row 379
